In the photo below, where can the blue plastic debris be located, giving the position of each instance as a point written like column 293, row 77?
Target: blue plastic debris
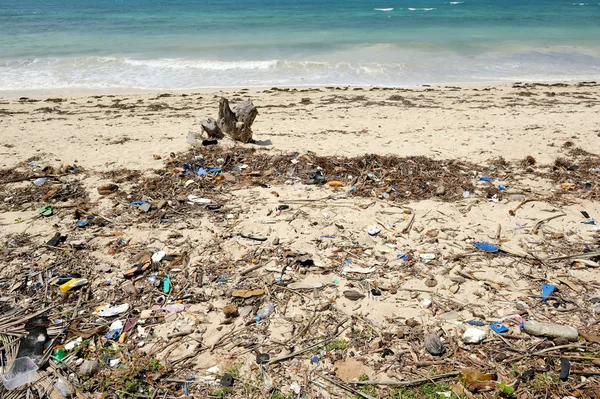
column 478, row 323
column 327, row 236
column 315, row 359
column 201, row 172
column 137, row 202
column 547, row 290
column 222, row 279
column 402, row 256
column 486, row 246
column 501, row 187
column 185, row 387
column 485, row 178
column 167, row 284
column 214, row 170
column 81, row 223
column 347, row 263
column 498, row 328
column 589, row 222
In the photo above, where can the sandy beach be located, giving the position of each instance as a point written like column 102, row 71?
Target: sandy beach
column 513, row 165
column 475, row 122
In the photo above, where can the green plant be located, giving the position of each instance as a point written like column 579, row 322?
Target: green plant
column 425, row 391
column 221, row 393
column 275, row 395
column 234, row 370
column 370, row 390
column 338, row 344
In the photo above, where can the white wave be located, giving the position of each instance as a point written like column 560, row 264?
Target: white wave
column 580, row 4
column 422, row 9
column 456, row 2
column 200, row 64
column 389, row 66
column 384, row 9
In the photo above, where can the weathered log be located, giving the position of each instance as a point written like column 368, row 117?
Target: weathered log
column 237, row 122
column 211, row 128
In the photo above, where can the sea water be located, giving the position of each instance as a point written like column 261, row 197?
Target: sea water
column 187, row 44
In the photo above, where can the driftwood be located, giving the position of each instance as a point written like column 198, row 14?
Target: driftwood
column 211, row 128
column 236, row 121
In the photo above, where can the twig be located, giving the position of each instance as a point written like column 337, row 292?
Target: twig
column 537, row 226
column 249, row 237
column 581, row 255
column 250, row 269
column 569, row 346
column 408, row 227
column 406, row 383
column 346, row 388
column 301, row 351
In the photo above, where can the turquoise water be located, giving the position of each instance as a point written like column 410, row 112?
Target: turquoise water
column 185, row 44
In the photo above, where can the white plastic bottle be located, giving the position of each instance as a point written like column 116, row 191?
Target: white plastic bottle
column 264, row 312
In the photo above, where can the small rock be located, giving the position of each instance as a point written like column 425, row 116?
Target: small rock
column 227, row 380
column 276, row 241
column 89, row 368
column 376, row 344
column 107, row 189
column 387, row 352
column 262, row 358
column 353, row 295
column 375, row 292
column 441, row 190
column 230, row 310
column 434, row 345
column 412, row 323
column 431, row 282
column 129, row 288
column 457, row 279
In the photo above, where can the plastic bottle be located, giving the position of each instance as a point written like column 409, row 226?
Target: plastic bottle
column 63, row 388
column 264, row 312
column 551, row 330
column 58, row 354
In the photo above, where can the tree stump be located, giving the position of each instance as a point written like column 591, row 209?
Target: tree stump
column 237, row 122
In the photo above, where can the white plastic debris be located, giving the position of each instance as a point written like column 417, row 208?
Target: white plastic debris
column 373, row 231
column 109, row 310
column 295, row 387
column 158, row 256
column 194, row 199
column 474, row 336
column 213, row 370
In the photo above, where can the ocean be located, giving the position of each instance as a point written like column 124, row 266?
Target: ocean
column 189, row 44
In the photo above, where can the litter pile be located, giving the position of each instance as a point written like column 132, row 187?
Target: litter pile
column 234, row 272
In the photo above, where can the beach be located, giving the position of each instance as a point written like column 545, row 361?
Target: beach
column 427, row 175
column 472, row 122
column 413, row 214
